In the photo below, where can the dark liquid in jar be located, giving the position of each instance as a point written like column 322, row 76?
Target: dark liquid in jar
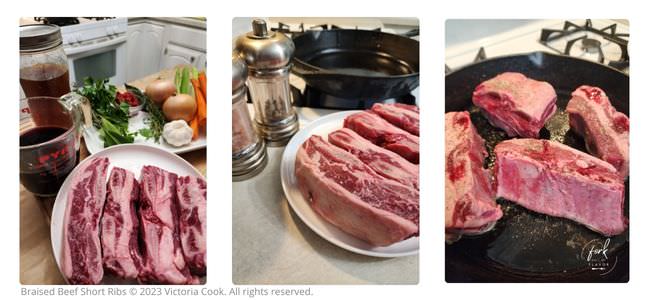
column 45, row 80
column 47, row 178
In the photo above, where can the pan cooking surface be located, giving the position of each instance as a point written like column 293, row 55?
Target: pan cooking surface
column 524, row 245
column 359, row 62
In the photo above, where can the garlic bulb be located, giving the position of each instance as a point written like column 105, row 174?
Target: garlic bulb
column 177, row 133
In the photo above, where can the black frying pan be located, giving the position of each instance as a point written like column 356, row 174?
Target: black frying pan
column 526, row 246
column 357, row 64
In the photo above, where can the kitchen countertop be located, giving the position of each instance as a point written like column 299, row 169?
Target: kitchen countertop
column 37, row 264
column 271, row 245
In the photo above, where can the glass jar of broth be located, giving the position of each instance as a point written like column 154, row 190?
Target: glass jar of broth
column 43, row 64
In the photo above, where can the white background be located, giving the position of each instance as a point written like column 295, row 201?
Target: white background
column 432, row 15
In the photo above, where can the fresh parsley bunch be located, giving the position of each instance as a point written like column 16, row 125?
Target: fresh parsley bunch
column 110, row 117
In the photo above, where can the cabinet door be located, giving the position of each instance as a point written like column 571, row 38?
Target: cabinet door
column 175, row 55
column 145, row 43
column 187, row 37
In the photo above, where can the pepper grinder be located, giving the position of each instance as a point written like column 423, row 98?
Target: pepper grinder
column 268, row 57
column 248, row 149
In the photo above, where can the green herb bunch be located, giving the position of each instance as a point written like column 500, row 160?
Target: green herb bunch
column 111, row 118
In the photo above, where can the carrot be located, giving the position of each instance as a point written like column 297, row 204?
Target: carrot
column 202, row 111
column 195, row 126
column 203, row 80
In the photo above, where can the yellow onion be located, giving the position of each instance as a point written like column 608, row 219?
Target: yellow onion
column 179, row 107
column 159, row 90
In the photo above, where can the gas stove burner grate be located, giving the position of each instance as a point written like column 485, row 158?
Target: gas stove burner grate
column 286, row 28
column 66, row 21
column 59, row 21
column 99, row 18
column 588, row 44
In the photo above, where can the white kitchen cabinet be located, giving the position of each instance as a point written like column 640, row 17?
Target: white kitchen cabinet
column 160, row 43
column 174, row 55
column 184, row 45
column 144, row 49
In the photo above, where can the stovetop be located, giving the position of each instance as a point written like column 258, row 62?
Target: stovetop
column 62, row 21
column 606, row 45
column 602, row 41
column 66, row 21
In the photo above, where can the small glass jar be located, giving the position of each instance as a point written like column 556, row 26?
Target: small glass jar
column 248, row 149
column 43, row 64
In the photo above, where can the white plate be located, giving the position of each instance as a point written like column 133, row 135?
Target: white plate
column 127, row 156
column 95, row 144
column 323, row 126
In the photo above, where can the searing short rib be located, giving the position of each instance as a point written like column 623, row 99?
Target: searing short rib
column 81, row 261
column 605, row 130
column 517, row 104
column 350, row 195
column 470, row 206
column 557, row 180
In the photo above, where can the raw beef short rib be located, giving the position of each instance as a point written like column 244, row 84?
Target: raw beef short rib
column 517, row 104
column 470, row 206
column 386, row 135
column 554, row 179
column 384, row 162
column 120, row 225
column 605, row 130
column 192, row 192
column 351, row 196
column 164, row 261
column 403, row 116
column 81, row 260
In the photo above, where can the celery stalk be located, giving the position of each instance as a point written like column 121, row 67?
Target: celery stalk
column 185, row 80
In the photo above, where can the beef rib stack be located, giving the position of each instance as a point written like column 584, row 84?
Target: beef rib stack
column 349, row 194
column 152, row 231
column 363, row 180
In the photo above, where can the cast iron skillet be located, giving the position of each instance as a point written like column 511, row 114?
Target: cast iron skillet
column 526, row 246
column 357, row 64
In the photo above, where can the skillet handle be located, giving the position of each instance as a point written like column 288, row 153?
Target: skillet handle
column 412, row 33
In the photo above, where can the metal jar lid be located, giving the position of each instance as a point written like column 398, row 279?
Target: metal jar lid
column 263, row 49
column 39, row 37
